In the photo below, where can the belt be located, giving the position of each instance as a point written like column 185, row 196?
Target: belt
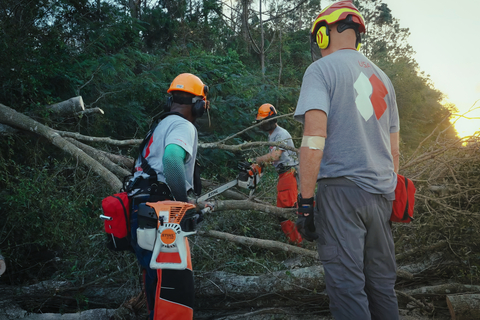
column 282, row 169
column 152, row 187
column 338, row 181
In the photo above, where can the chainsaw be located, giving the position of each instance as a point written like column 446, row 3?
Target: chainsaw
column 248, row 178
column 159, row 231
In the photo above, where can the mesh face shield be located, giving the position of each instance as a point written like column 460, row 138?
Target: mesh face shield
column 267, row 125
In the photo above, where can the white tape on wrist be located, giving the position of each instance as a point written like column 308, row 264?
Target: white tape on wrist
column 313, row 142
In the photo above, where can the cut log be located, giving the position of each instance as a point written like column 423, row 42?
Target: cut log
column 68, row 107
column 464, row 307
column 90, row 111
column 286, row 282
column 3, row 265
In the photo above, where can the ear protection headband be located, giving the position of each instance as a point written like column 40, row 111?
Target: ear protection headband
column 322, row 33
column 198, row 104
column 272, row 113
column 349, row 24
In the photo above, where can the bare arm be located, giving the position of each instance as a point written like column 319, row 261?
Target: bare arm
column 315, row 125
column 270, row 157
column 395, row 149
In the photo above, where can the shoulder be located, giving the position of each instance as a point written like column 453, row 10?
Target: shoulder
column 177, row 122
column 281, row 133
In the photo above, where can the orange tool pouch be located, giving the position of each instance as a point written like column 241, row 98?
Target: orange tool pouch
column 287, row 189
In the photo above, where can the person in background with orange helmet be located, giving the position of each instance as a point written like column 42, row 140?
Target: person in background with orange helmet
column 285, row 163
column 350, row 151
column 164, row 170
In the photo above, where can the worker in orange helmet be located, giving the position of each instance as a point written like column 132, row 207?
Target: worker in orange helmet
column 165, row 170
column 285, row 162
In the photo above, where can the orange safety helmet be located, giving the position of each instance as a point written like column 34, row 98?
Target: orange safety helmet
column 190, row 83
column 338, row 11
column 266, row 110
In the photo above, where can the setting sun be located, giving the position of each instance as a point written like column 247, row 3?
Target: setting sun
column 468, row 124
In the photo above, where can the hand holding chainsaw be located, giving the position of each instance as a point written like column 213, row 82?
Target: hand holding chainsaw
column 193, row 217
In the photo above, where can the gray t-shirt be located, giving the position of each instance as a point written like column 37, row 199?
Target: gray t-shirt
column 171, row 130
column 288, row 158
column 361, row 109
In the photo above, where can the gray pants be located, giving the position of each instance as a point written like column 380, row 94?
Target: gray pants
column 356, row 248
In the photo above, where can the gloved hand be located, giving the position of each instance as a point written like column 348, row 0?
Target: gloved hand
column 244, row 165
column 306, row 218
column 190, row 220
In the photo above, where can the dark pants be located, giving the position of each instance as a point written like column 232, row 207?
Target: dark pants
column 175, row 290
column 356, row 248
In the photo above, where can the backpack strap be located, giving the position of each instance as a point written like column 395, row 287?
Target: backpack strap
column 144, row 163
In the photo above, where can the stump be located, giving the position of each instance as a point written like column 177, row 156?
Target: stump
column 464, row 306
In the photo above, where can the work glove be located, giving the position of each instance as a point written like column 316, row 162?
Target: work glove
column 244, row 165
column 190, row 220
column 306, row 219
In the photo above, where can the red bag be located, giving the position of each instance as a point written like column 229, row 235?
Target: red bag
column 117, row 207
column 404, row 200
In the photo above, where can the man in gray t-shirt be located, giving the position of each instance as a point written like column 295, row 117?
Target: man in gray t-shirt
column 350, row 147
column 285, row 162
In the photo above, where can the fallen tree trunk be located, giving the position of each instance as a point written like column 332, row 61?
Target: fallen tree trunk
column 223, row 205
column 68, row 107
column 277, row 246
column 224, row 284
column 464, row 307
column 101, row 157
column 260, row 243
column 421, row 249
column 15, row 119
column 443, row 289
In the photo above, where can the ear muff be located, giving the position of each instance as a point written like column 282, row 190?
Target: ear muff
column 200, row 105
column 358, row 44
column 272, row 112
column 168, row 105
column 323, row 37
column 198, row 108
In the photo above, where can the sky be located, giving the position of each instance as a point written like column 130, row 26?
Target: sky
column 446, row 40
column 447, row 45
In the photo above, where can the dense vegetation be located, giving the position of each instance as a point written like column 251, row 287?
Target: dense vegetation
column 120, row 56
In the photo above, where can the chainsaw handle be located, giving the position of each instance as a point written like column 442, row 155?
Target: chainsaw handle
column 208, row 208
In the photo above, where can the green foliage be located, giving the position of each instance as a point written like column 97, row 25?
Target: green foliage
column 49, row 223
column 123, row 62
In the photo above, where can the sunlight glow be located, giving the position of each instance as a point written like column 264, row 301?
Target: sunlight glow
column 469, row 124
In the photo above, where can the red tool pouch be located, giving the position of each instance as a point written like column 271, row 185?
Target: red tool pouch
column 117, row 208
column 404, row 200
